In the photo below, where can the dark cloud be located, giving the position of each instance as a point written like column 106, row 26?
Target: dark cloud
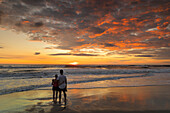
column 96, row 30
column 1, row 14
column 162, row 42
column 1, row 47
column 34, row 2
column 109, row 45
column 85, row 54
column 126, row 27
column 37, row 53
column 19, row 7
column 60, row 54
column 162, row 53
column 144, row 55
column 64, row 47
column 81, row 54
column 38, row 24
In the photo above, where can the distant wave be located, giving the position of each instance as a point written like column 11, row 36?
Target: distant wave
column 50, row 73
column 115, row 66
column 16, row 66
column 118, row 71
column 109, row 78
column 20, row 89
column 29, row 70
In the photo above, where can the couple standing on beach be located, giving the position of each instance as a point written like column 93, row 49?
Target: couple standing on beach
column 59, row 85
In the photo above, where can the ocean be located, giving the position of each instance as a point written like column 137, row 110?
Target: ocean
column 19, row 78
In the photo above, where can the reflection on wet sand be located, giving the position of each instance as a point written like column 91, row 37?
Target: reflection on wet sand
column 126, row 98
column 49, row 107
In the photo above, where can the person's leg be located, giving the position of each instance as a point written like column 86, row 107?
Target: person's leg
column 65, row 96
column 56, row 95
column 60, row 97
column 53, row 95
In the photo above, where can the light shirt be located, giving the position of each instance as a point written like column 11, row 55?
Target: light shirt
column 62, row 79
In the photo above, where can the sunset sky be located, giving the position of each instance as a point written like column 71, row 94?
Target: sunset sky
column 85, row 31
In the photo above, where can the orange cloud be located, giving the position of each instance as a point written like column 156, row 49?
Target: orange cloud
column 80, row 40
column 163, row 26
column 25, row 22
column 35, row 31
column 2, row 28
column 106, row 19
column 158, row 20
column 159, row 33
column 125, row 22
column 168, row 18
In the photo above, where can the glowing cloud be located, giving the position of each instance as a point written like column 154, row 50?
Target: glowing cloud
column 107, row 26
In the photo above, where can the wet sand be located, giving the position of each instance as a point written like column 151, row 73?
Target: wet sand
column 148, row 99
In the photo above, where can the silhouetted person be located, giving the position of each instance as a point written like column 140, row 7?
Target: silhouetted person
column 62, row 86
column 55, row 87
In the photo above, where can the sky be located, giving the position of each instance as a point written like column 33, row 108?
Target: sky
column 85, row 31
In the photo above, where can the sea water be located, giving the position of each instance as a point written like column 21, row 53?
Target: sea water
column 19, row 78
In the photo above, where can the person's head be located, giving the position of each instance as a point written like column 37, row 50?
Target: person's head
column 56, row 76
column 61, row 72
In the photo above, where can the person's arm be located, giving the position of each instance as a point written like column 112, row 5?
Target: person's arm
column 52, row 82
column 61, row 83
column 66, row 83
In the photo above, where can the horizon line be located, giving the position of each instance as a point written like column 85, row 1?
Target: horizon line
column 81, row 64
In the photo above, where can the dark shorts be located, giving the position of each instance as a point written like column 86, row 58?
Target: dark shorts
column 63, row 89
column 56, row 88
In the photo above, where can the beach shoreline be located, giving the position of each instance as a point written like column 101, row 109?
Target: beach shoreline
column 116, row 99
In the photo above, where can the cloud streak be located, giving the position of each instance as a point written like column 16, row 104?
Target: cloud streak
column 65, row 54
column 144, row 55
column 37, row 53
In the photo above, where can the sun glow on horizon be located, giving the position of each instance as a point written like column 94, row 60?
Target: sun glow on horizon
column 74, row 63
